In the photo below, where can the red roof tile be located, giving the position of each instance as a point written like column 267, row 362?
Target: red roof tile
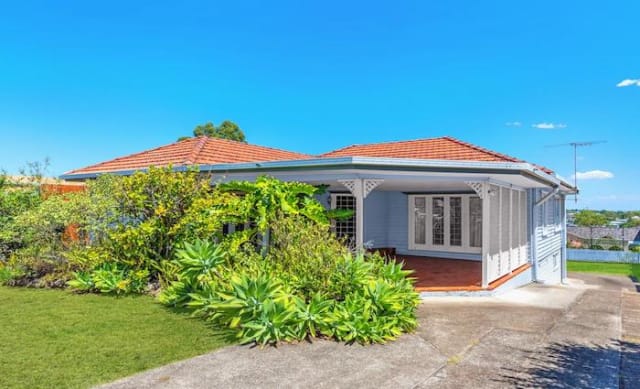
column 193, row 151
column 444, row 148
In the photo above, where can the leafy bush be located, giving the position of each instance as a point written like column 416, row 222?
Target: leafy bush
column 615, row 248
column 145, row 210
column 110, row 278
column 298, row 256
column 16, row 198
column 596, row 247
column 195, row 269
column 255, row 308
column 8, row 274
column 41, row 260
column 364, row 299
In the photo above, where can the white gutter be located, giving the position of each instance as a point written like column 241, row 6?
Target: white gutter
column 395, row 162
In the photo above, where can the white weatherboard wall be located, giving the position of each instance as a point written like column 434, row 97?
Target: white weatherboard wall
column 376, row 218
column 547, row 231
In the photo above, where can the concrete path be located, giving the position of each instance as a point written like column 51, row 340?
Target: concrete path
column 584, row 335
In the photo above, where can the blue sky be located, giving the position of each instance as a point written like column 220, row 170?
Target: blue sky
column 82, row 82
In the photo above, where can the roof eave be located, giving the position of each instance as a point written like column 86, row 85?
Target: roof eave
column 363, row 162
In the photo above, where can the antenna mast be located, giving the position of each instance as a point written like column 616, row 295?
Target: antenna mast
column 575, row 146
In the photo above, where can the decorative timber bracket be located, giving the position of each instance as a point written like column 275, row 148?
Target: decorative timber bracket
column 480, row 187
column 361, row 187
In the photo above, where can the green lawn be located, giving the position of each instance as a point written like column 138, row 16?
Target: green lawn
column 55, row 339
column 623, row 269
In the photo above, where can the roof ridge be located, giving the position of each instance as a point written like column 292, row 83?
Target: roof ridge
column 260, row 146
column 384, row 143
column 193, row 157
column 484, row 150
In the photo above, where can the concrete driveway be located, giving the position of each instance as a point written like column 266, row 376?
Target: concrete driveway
column 585, row 334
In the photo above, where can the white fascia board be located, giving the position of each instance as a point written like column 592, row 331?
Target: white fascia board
column 392, row 163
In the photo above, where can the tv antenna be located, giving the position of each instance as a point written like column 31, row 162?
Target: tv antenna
column 575, row 146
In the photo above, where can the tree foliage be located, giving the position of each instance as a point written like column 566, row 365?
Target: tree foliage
column 587, row 218
column 226, row 130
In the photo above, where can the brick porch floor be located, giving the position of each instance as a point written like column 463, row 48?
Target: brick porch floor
column 439, row 274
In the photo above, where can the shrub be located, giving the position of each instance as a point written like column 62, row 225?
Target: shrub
column 145, row 212
column 8, row 274
column 16, row 198
column 195, row 269
column 596, row 247
column 254, row 308
column 110, row 278
column 615, row 248
column 304, row 253
column 363, row 300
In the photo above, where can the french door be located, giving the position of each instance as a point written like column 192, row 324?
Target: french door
column 445, row 223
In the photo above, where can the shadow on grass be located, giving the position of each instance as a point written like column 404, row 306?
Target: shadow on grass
column 563, row 366
column 224, row 335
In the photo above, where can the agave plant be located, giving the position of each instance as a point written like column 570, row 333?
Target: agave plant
column 110, row 278
column 82, row 282
column 257, row 308
column 312, row 315
column 351, row 273
column 200, row 260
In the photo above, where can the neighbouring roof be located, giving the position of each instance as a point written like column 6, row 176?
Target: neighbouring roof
column 201, row 150
column 628, row 233
column 443, row 148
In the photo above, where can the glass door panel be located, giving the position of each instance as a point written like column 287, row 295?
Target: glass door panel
column 455, row 221
column 420, row 221
column 437, row 221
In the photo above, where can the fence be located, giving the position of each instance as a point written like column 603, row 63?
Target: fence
column 603, row 256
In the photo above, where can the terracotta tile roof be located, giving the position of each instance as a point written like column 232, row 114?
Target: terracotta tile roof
column 193, row 151
column 444, row 148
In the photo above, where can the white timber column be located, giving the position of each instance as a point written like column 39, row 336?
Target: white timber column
column 482, row 190
column 360, row 189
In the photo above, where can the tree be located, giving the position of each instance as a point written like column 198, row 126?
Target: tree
column 226, row 130
column 229, row 130
column 586, row 218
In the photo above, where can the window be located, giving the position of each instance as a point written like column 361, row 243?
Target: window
column 345, row 228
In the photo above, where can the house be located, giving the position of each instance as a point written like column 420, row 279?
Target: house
column 463, row 216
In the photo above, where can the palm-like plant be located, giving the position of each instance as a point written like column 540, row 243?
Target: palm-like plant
column 257, row 308
column 200, row 261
